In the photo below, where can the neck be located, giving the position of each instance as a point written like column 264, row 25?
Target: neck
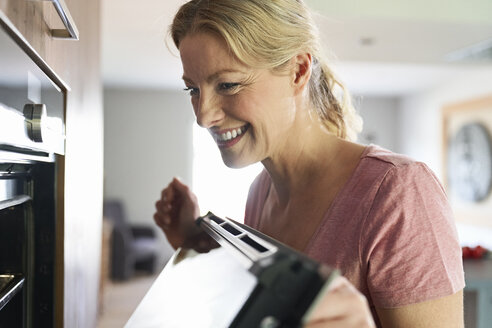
column 308, row 156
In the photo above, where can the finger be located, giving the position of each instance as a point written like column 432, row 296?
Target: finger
column 324, row 324
column 162, row 213
column 186, row 196
column 346, row 322
column 162, row 207
column 163, row 192
column 180, row 187
column 168, row 193
column 340, row 299
column 158, row 220
column 338, row 282
column 166, row 220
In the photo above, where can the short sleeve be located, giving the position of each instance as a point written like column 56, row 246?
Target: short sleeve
column 409, row 244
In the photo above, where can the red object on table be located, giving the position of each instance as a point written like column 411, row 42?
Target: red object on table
column 477, row 252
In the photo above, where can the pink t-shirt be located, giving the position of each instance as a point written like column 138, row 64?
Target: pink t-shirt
column 390, row 231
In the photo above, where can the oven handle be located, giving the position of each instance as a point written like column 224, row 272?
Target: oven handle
column 70, row 32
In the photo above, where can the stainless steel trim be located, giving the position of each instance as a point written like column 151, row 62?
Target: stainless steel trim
column 245, row 260
column 15, row 143
column 12, row 284
column 14, row 201
column 22, row 42
column 237, row 241
column 70, row 32
column 17, row 155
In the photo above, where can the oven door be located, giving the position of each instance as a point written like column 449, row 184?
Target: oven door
column 32, row 100
column 28, row 221
column 15, row 244
column 32, row 145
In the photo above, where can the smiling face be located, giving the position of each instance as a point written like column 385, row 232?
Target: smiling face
column 248, row 111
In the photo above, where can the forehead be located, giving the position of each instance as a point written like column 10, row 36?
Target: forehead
column 206, row 53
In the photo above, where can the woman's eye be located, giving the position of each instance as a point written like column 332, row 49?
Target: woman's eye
column 228, row 86
column 192, row 91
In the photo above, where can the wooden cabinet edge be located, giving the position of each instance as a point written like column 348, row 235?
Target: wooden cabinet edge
column 59, row 243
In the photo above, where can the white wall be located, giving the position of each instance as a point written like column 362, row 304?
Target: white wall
column 219, row 189
column 379, row 115
column 147, row 141
column 420, row 133
column 420, row 121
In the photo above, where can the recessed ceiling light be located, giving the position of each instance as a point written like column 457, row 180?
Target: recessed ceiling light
column 366, row 41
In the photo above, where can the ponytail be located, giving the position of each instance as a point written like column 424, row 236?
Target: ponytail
column 335, row 112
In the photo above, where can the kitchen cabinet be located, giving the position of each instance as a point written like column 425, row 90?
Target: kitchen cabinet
column 478, row 292
column 80, row 175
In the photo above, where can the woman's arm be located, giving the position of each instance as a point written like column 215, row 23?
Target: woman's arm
column 445, row 312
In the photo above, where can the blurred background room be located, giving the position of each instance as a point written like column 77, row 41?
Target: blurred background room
column 420, row 73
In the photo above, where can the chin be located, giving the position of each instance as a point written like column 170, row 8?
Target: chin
column 235, row 162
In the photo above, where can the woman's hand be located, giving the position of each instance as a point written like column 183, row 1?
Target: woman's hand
column 342, row 306
column 176, row 213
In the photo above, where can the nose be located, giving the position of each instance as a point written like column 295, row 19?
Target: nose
column 208, row 111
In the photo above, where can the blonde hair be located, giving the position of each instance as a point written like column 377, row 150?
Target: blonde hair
column 268, row 34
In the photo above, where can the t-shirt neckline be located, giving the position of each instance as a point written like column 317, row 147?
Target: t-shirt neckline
column 367, row 150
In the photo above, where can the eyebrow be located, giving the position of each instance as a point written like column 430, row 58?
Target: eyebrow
column 215, row 75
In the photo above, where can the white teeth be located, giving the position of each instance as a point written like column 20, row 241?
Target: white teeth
column 226, row 136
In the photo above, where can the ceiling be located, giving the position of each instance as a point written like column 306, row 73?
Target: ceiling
column 378, row 47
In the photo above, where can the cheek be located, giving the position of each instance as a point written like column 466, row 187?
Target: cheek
column 194, row 104
column 276, row 99
column 244, row 108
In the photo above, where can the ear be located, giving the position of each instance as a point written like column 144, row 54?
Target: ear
column 302, row 70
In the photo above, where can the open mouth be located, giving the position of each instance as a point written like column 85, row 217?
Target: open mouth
column 229, row 137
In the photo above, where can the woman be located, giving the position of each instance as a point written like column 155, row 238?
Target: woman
column 258, row 82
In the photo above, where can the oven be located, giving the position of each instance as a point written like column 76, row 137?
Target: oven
column 32, row 146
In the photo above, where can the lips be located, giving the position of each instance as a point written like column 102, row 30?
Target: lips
column 229, row 137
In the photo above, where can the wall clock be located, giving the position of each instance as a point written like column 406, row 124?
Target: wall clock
column 470, row 163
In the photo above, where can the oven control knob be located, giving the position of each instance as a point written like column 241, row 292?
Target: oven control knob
column 34, row 115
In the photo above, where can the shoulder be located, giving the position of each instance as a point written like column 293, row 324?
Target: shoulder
column 398, row 192
column 375, row 154
column 403, row 184
column 382, row 173
column 396, row 169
